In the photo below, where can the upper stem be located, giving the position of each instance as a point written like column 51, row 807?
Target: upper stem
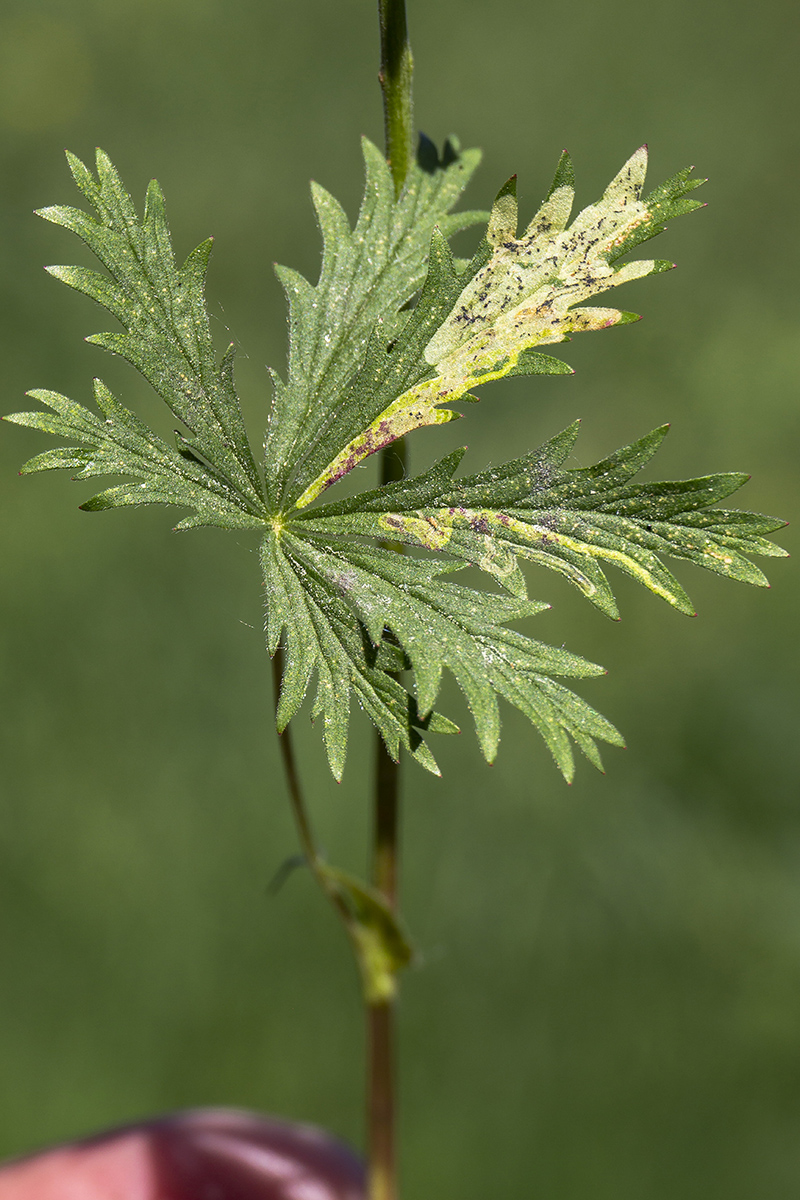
column 386, row 831
column 385, row 846
column 397, row 67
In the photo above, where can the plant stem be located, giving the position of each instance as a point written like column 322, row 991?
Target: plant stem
column 387, row 771
column 397, row 66
column 381, row 1117
column 395, row 77
column 386, row 829
column 302, row 821
column 380, row 1040
column 382, row 1165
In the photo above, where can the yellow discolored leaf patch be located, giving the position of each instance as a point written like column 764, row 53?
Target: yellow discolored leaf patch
column 524, row 296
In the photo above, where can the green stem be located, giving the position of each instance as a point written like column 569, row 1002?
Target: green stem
column 302, row 821
column 382, row 1163
column 381, row 1116
column 397, row 66
column 380, row 1042
column 387, row 771
column 396, row 72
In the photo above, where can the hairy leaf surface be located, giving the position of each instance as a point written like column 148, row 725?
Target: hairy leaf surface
column 568, row 520
column 336, row 605
column 161, row 307
column 121, row 444
column 368, row 275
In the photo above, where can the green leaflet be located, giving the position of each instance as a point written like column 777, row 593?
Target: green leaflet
column 393, row 363
column 162, row 309
column 570, row 521
column 320, row 635
column 368, row 274
column 320, row 594
column 519, row 293
column 122, row 445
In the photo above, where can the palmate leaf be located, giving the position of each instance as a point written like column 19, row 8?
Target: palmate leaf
column 394, row 329
column 368, row 275
column 568, row 520
column 485, row 322
column 335, row 605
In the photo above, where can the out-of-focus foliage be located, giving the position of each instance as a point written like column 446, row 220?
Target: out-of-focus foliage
column 627, row 949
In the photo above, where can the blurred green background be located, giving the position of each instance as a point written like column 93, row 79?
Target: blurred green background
column 609, row 997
